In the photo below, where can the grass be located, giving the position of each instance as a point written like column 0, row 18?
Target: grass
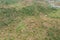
column 20, row 26
column 29, row 10
column 7, row 15
column 53, row 34
column 55, row 14
column 8, row 2
column 23, row 24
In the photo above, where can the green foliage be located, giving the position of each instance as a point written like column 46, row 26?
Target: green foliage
column 45, row 10
column 29, row 10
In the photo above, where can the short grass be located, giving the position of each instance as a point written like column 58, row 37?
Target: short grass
column 29, row 22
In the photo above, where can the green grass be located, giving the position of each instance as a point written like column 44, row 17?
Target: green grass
column 55, row 14
column 21, row 26
column 29, row 10
column 8, row 2
column 7, row 15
